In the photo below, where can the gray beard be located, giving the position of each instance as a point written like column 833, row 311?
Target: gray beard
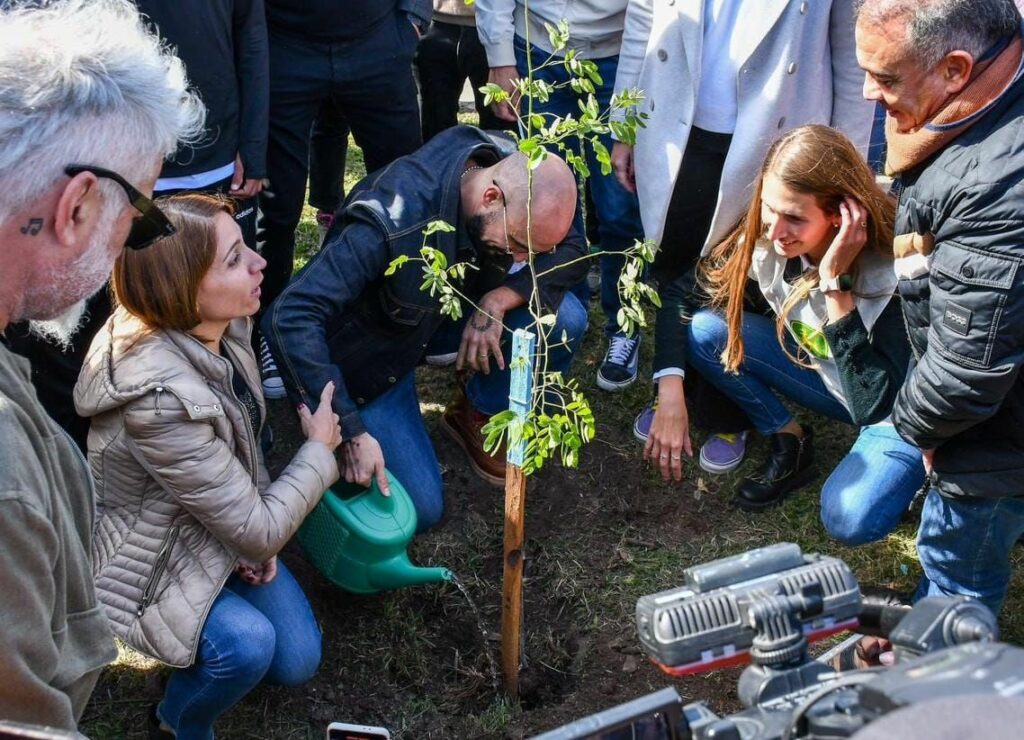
column 83, row 277
column 60, row 330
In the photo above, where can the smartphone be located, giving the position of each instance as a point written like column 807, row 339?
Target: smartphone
column 345, row 731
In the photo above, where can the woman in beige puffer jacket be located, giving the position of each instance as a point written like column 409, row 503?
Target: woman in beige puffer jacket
column 188, row 522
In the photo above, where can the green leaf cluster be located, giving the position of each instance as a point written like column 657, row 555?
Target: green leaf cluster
column 634, row 291
column 558, row 426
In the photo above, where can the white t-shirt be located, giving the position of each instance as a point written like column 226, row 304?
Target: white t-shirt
column 719, row 66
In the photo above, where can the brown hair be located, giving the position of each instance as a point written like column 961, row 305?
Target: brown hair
column 160, row 284
column 813, row 160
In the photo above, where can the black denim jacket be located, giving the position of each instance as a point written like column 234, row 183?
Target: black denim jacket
column 341, row 319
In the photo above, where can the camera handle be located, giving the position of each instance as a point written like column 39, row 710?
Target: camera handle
column 779, row 660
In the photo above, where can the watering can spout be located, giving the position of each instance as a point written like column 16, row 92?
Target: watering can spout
column 399, row 572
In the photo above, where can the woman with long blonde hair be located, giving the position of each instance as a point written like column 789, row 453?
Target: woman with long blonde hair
column 815, row 250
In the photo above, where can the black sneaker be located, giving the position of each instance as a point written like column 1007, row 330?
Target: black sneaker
column 789, row 466
column 273, row 385
column 621, row 363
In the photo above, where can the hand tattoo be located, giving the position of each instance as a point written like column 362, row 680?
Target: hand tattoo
column 486, row 324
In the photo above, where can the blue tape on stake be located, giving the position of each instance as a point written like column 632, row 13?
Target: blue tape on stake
column 520, row 391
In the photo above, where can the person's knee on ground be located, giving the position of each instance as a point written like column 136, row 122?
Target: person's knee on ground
column 844, row 513
column 870, row 490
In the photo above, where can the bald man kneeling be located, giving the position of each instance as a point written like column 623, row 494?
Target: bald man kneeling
column 342, row 319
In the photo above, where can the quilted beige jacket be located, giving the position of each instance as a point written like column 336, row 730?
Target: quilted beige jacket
column 181, row 488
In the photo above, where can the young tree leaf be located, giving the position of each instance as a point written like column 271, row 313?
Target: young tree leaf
column 396, row 263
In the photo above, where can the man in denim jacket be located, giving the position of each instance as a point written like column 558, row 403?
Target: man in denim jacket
column 951, row 77
column 344, row 319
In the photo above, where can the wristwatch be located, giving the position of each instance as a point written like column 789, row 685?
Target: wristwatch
column 838, row 284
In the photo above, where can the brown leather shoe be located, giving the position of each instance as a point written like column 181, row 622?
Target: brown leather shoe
column 463, row 423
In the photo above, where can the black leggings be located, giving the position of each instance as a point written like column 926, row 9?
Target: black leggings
column 690, row 212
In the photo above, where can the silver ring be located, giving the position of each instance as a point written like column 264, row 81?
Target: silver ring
column 664, row 457
column 863, row 224
column 677, row 457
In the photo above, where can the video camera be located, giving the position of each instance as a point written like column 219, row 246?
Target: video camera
column 763, row 607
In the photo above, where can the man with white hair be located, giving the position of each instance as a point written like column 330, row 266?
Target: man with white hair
column 90, row 104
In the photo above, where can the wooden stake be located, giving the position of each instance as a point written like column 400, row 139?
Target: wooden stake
column 520, row 399
column 512, row 582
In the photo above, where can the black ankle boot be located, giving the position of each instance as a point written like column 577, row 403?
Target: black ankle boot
column 789, row 466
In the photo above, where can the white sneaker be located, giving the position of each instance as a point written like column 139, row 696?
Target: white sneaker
column 273, row 385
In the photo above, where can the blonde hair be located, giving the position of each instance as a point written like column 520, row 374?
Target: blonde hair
column 813, row 160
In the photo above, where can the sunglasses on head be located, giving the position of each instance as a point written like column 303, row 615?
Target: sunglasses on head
column 151, row 226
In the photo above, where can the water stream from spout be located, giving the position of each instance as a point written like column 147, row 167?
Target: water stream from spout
column 484, row 642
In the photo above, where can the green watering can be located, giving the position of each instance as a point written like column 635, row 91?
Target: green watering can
column 357, row 538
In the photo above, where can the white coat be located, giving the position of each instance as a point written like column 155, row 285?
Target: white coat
column 801, row 69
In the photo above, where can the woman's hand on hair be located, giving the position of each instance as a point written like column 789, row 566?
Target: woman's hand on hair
column 848, row 241
column 669, row 437
column 324, row 425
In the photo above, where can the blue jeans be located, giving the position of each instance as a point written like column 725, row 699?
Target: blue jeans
column 617, row 209
column 252, row 634
column 865, row 496
column 964, row 546
column 394, row 418
column 872, row 487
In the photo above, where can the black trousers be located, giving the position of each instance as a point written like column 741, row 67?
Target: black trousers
column 370, row 81
column 692, row 206
column 328, row 149
column 690, row 212
column 446, row 57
